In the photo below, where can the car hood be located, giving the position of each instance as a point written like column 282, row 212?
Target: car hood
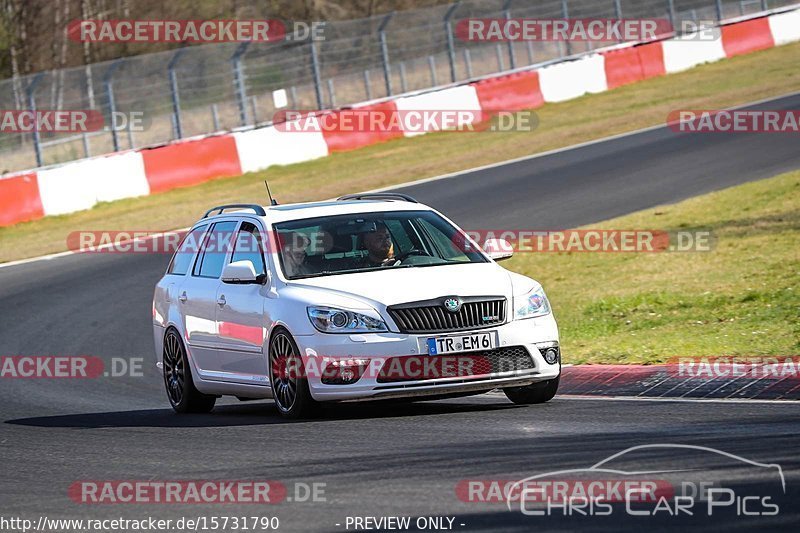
column 387, row 287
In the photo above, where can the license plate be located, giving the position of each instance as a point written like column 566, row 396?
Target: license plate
column 469, row 342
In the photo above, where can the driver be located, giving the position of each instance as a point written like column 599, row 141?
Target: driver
column 380, row 250
column 293, row 248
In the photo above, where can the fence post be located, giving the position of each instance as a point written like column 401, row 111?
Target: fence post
column 254, row 109
column 173, row 85
column 507, row 13
column 29, row 90
column 719, row 10
column 403, row 86
column 387, row 72
column 331, row 93
column 86, row 150
column 531, row 55
column 565, row 16
column 432, row 66
column 112, row 104
column 671, row 11
column 468, row 62
column 764, row 5
column 367, row 85
column 215, row 116
column 131, row 142
column 451, row 47
column 238, row 80
column 618, row 13
column 499, row 51
column 315, row 72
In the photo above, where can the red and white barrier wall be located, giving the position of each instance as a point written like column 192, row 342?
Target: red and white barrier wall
column 82, row 184
column 785, row 27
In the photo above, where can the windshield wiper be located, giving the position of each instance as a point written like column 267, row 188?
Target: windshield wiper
column 376, row 268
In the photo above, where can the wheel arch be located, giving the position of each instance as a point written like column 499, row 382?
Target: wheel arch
column 189, row 357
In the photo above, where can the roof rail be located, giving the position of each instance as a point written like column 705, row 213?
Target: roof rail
column 377, row 196
column 257, row 209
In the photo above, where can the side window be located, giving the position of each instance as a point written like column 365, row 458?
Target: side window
column 249, row 247
column 216, row 246
column 179, row 265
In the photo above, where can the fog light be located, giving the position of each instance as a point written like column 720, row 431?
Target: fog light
column 343, row 372
column 551, row 356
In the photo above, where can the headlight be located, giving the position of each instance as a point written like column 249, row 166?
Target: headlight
column 531, row 305
column 331, row 320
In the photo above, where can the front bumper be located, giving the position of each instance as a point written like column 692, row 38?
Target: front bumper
column 377, row 348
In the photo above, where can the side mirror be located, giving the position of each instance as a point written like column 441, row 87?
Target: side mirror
column 241, row 272
column 498, row 249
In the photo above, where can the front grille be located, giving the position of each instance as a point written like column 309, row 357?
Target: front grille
column 429, row 367
column 431, row 316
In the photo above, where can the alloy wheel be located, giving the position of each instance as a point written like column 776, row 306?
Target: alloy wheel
column 285, row 368
column 174, row 367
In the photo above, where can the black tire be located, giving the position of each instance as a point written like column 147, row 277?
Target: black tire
column 181, row 392
column 534, row 393
column 289, row 388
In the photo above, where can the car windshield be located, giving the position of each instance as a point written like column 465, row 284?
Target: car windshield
column 362, row 242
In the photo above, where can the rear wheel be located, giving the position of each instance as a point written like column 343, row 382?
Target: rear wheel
column 288, row 378
column 534, row 393
column 182, row 394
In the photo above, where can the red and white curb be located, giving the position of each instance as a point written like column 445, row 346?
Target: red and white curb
column 703, row 381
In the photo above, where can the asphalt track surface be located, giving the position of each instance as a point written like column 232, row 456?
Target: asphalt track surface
column 376, row 459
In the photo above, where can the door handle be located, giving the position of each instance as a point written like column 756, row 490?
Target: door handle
column 221, row 301
column 182, row 297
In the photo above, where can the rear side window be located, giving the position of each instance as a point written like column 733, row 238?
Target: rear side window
column 216, row 246
column 183, row 256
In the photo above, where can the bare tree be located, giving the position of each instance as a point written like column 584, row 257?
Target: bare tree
column 87, row 12
column 62, row 58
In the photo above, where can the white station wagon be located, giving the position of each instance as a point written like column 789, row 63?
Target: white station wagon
column 373, row 296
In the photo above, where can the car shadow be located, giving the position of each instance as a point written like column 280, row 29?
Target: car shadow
column 253, row 414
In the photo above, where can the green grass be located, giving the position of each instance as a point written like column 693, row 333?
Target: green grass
column 741, row 298
column 726, row 83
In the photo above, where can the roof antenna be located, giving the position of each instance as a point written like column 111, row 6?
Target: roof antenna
column 271, row 199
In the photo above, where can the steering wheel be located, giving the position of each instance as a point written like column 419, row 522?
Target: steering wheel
column 414, row 251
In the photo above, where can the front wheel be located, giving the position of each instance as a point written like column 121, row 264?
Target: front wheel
column 287, row 377
column 534, row 393
column 182, row 394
